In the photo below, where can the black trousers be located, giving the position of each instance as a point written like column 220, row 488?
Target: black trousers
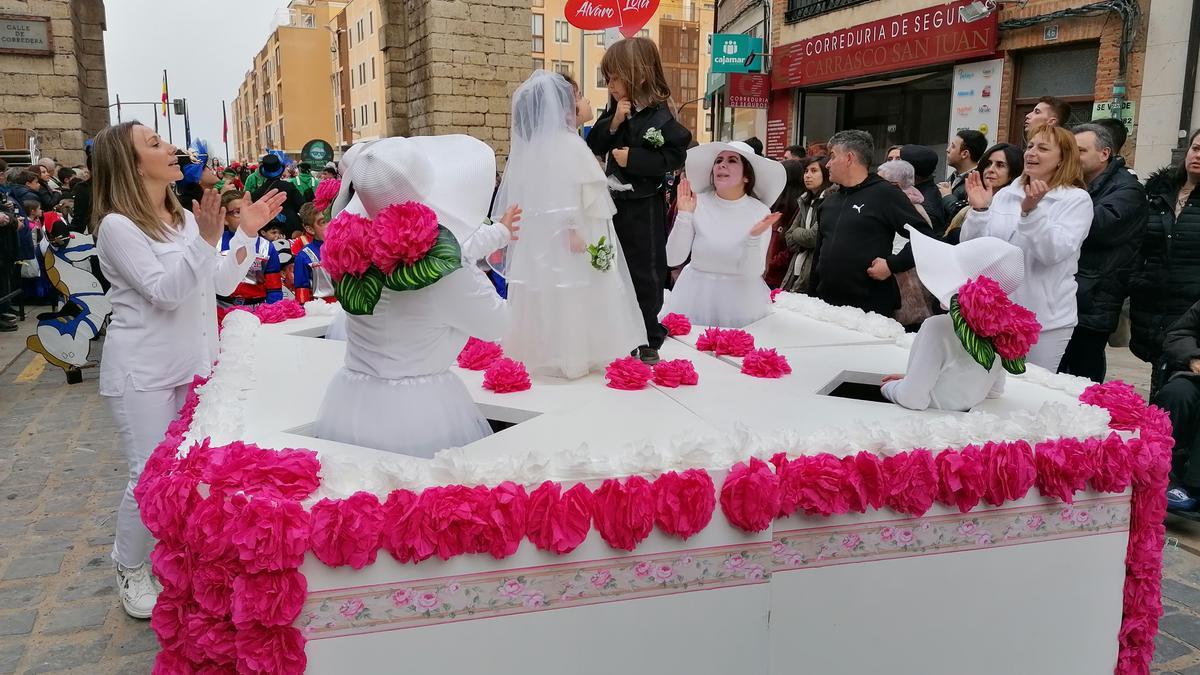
column 1180, row 397
column 1084, row 356
column 641, row 227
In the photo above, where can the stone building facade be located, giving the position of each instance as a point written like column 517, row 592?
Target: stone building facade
column 61, row 97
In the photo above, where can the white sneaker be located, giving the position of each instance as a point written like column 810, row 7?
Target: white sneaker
column 137, row 591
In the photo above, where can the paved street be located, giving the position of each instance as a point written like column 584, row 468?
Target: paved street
column 61, row 476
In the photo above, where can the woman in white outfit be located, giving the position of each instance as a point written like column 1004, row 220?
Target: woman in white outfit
column 1047, row 213
column 724, row 224
column 166, row 270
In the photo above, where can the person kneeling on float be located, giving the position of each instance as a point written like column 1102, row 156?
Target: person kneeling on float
column 959, row 359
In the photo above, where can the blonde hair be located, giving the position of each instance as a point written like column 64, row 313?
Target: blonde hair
column 1070, row 171
column 636, row 62
column 117, row 188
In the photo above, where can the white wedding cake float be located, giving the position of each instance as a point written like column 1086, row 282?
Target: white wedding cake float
column 742, row 525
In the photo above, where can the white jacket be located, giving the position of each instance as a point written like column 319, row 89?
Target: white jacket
column 1050, row 237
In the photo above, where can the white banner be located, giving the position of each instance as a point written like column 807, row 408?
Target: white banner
column 975, row 98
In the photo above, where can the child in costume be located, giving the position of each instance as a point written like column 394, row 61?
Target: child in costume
column 311, row 281
column 396, row 391
column 724, row 225
column 572, row 304
column 263, row 281
column 958, row 359
column 641, row 142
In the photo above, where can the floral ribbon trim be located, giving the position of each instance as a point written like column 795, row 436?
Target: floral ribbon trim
column 826, row 546
column 424, row 602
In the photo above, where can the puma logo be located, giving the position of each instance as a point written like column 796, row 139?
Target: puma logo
column 858, row 208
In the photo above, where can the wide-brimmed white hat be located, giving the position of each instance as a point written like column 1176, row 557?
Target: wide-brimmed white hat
column 453, row 175
column 944, row 268
column 769, row 176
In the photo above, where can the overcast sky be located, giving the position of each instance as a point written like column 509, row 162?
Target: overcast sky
column 206, row 48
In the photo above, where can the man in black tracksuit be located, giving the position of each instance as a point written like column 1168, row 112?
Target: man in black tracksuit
column 858, row 223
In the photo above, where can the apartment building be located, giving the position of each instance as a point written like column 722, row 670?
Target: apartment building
column 357, row 80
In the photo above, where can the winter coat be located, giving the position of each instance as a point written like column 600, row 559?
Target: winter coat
column 933, row 204
column 1119, row 211
column 801, row 240
column 648, row 163
column 1165, row 281
column 1182, row 343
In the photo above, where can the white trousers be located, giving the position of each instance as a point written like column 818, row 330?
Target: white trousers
column 141, row 418
column 1050, row 347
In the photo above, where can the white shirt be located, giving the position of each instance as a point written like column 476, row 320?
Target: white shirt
column 164, row 296
column 718, row 236
column 413, row 333
column 941, row 374
column 1050, row 237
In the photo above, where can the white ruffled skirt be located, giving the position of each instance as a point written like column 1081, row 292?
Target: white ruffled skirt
column 414, row 416
column 722, row 300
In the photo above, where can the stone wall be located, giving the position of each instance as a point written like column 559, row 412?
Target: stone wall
column 63, row 97
column 452, row 67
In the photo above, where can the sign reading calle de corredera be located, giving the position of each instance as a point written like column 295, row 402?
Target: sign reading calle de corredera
column 25, row 35
column 731, row 51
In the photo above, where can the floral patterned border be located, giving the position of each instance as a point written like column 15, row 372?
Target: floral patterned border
column 840, row 545
column 341, row 612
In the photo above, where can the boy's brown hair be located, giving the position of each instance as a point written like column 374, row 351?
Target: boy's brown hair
column 230, row 197
column 308, row 215
column 637, row 63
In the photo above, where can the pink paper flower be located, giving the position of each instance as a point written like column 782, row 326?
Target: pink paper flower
column 673, row 373
column 174, row 566
column 558, row 521
column 766, row 363
column 813, row 483
column 731, row 342
column 268, row 598
column 278, row 312
column 270, row 534
column 866, row 483
column 750, row 495
column 274, row 651
column 960, row 477
column 210, row 642
column 775, row 293
column 244, row 467
column 1063, row 468
column 346, row 531
column 169, row 619
column 456, row 517
column 624, row 513
column 684, row 502
column 1112, row 467
column 1010, row 471
column 212, row 586
column 1121, row 400
column 479, row 354
column 164, row 500
column 676, row 324
column 1019, row 334
column 171, row 662
column 506, row 376
column 985, row 306
column 402, row 234
column 912, row 482
column 628, row 374
column 208, row 531
column 327, row 191
column 407, row 534
column 347, row 248
column 507, row 517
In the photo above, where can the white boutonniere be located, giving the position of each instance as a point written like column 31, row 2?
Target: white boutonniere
column 654, row 138
column 601, row 254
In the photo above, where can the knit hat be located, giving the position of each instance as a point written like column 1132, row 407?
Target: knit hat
column 923, row 160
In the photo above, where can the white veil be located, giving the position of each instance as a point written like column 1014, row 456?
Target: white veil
column 559, row 185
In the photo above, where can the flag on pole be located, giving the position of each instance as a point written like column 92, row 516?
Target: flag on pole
column 224, row 124
column 165, row 95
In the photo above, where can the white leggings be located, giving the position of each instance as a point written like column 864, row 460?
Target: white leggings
column 142, row 418
column 1050, row 347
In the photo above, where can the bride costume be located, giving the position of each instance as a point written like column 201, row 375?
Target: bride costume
column 568, row 315
column 396, row 391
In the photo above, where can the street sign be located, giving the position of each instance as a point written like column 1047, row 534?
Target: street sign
column 316, row 153
column 749, row 90
column 736, row 53
column 1102, row 109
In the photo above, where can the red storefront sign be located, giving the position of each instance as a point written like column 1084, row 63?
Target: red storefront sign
column 748, row 90
column 921, row 38
column 779, row 116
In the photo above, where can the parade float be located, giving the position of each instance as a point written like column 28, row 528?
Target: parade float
column 755, row 511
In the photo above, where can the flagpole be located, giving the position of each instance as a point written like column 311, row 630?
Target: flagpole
column 166, row 102
column 118, row 108
column 225, row 131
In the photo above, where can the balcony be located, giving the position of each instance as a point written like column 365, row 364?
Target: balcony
column 799, row 10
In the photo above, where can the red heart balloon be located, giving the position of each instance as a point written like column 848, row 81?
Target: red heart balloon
column 593, row 14
column 635, row 14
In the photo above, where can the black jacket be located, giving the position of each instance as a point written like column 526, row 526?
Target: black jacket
column 933, row 205
column 82, row 220
column 21, row 194
column 957, row 199
column 647, row 165
column 857, row 225
column 1182, row 343
column 1106, row 259
column 1166, row 275
column 289, row 216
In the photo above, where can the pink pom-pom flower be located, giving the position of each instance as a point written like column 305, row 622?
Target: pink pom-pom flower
column 624, row 513
column 750, row 496
column 775, row 293
column 402, row 234
column 731, row 342
column 506, row 376
column 347, row 248
column 278, row 312
column 1124, row 405
column 766, row 363
column 628, row 374
column 673, row 373
column 684, row 502
column 559, row 521
column 984, row 306
column 327, row 191
column 346, row 531
column 676, row 324
column 479, row 354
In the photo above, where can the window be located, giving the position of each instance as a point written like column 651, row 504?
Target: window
column 799, row 10
column 362, row 113
column 267, row 103
column 561, row 31
column 371, row 22
column 539, row 64
column 645, row 32
column 600, row 39
column 539, row 32
column 601, row 83
column 372, row 67
column 308, row 20
column 375, row 112
column 1068, row 73
column 282, row 144
column 359, row 25
column 563, row 67
column 354, row 117
column 537, row 3
column 362, row 72
column 277, row 62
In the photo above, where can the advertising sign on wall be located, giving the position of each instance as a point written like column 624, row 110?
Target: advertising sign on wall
column 748, row 90
column 975, row 98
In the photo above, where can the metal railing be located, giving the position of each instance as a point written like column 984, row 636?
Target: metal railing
column 799, row 10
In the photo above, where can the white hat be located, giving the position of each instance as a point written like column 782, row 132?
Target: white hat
column 343, row 197
column 453, row 175
column 769, row 176
column 944, row 268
